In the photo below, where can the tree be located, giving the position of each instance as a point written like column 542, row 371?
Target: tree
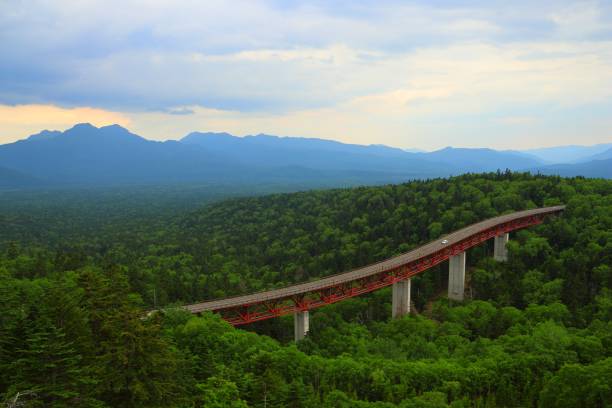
column 136, row 366
column 579, row 386
column 218, row 393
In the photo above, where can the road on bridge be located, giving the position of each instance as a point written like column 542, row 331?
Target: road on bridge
column 305, row 296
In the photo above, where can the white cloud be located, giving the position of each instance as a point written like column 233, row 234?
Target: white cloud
column 517, row 120
column 580, row 19
column 368, row 72
column 435, row 90
column 445, row 92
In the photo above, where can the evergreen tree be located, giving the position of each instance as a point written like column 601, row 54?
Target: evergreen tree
column 136, row 366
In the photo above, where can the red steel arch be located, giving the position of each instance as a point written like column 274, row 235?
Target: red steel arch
column 305, row 296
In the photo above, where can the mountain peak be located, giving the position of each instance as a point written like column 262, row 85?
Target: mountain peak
column 44, row 135
column 82, row 126
column 113, row 127
column 468, row 150
column 86, row 131
column 89, row 128
column 199, row 137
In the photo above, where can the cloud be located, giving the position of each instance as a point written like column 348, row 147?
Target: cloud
column 179, row 111
column 246, row 55
column 581, row 19
column 370, row 71
column 516, row 120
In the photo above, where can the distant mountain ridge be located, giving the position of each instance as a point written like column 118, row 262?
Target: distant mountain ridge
column 323, row 153
column 482, row 158
column 569, row 153
column 267, row 150
column 217, row 140
column 607, row 154
column 45, row 135
column 111, row 155
column 85, row 154
column 593, row 169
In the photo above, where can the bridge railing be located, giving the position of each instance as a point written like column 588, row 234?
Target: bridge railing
column 305, row 296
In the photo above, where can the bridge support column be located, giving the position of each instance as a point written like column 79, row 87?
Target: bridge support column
column 300, row 325
column 500, row 252
column 401, row 298
column 456, row 276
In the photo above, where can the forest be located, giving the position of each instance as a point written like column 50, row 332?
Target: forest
column 79, row 271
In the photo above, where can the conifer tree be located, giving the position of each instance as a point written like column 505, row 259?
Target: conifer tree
column 135, row 365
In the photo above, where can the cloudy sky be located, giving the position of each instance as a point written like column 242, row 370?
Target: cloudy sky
column 427, row 74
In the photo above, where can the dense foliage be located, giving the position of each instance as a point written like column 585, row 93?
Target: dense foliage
column 537, row 331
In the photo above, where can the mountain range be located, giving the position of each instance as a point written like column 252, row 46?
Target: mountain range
column 572, row 153
column 85, row 155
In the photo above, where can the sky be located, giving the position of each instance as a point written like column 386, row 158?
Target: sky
column 411, row 74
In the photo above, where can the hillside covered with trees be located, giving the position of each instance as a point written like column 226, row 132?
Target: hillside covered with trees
column 536, row 332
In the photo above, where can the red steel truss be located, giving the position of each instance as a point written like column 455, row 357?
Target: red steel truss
column 255, row 310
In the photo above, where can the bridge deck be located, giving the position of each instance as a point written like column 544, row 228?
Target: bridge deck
column 369, row 270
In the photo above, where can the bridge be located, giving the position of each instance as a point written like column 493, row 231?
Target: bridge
column 396, row 271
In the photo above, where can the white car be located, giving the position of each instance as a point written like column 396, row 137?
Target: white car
column 444, row 241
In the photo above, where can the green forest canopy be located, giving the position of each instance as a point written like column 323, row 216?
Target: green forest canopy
column 536, row 333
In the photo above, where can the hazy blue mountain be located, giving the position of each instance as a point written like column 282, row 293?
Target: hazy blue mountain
column 266, row 150
column 108, row 155
column 412, row 150
column 10, row 178
column 86, row 155
column 326, row 154
column 594, row 168
column 607, row 154
column 223, row 141
column 111, row 155
column 478, row 160
column 45, row 135
column 568, row 154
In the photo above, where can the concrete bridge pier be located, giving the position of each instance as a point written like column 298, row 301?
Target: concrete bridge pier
column 300, row 325
column 500, row 252
column 456, row 276
column 401, row 298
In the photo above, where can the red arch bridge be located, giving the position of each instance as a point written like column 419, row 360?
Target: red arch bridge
column 397, row 271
